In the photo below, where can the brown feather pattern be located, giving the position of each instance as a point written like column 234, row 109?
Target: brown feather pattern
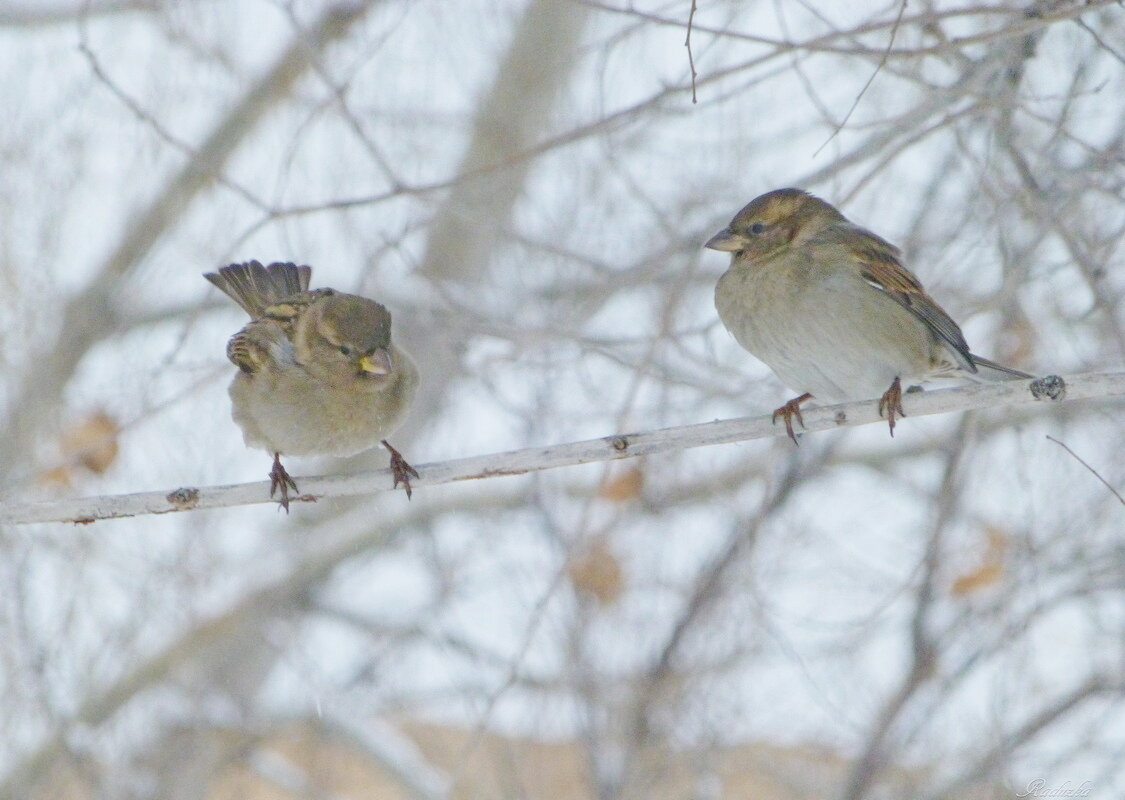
column 255, row 288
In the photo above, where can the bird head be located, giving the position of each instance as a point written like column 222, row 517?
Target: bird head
column 353, row 331
column 773, row 222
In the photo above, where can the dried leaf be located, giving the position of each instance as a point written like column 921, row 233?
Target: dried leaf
column 990, row 570
column 626, row 486
column 58, row 476
column 998, row 540
column 982, row 577
column 92, row 442
column 597, row 572
column 1019, row 340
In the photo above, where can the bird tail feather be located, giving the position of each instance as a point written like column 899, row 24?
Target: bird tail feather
column 256, row 288
column 1006, row 373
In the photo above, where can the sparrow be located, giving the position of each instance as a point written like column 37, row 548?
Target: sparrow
column 831, row 309
column 317, row 372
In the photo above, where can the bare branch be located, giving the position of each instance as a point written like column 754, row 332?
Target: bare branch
column 870, row 80
column 608, row 448
column 923, row 647
column 37, row 15
column 386, row 746
column 510, row 117
column 687, row 44
column 1063, row 705
column 1095, row 473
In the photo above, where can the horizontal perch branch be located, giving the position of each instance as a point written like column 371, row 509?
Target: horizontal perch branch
column 608, row 448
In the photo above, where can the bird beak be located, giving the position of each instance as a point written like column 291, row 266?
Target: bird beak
column 726, row 240
column 378, row 362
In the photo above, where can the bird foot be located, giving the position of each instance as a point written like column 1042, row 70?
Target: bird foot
column 788, row 411
column 280, row 479
column 891, row 402
column 400, row 469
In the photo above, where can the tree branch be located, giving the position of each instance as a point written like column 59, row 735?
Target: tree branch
column 40, row 14
column 607, row 448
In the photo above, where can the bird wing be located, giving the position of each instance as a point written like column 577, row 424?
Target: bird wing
column 264, row 344
column 881, row 267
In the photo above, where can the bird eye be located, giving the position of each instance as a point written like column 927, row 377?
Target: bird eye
column 757, row 228
column 347, row 351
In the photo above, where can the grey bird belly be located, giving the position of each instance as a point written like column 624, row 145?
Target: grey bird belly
column 820, row 337
column 290, row 413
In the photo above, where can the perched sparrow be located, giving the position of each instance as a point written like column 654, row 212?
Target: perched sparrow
column 318, row 374
column 830, row 308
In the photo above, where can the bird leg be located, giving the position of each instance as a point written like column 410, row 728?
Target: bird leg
column 891, row 401
column 788, row 411
column 400, row 469
column 279, row 478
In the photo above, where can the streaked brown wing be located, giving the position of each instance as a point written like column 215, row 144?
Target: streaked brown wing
column 261, row 344
column 881, row 267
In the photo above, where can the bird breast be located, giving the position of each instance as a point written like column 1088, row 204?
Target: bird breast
column 822, row 331
column 291, row 412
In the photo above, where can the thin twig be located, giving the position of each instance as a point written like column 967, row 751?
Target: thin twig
column 1079, row 459
column 1024, row 734
column 1102, row 43
column 149, row 119
column 520, row 462
column 687, row 44
column 866, row 86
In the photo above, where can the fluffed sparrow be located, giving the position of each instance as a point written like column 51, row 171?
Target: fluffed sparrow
column 318, row 374
column 831, row 309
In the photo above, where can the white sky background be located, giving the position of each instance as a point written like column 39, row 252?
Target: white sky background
column 591, row 315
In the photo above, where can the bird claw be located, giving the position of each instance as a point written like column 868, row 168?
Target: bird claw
column 280, row 479
column 401, row 470
column 891, row 402
column 788, row 411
